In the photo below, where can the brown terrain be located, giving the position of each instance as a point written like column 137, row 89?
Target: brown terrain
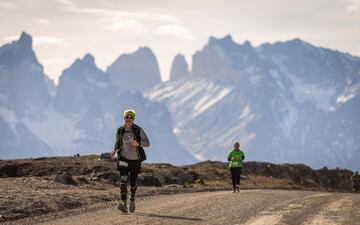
column 72, row 190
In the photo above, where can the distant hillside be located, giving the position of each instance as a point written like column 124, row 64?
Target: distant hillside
column 53, row 187
column 256, row 174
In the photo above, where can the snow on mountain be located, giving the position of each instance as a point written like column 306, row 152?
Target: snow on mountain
column 136, row 71
column 197, row 96
column 279, row 100
column 350, row 91
column 198, row 124
column 56, row 130
column 18, row 142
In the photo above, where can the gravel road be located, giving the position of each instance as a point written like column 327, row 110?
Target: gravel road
column 250, row 207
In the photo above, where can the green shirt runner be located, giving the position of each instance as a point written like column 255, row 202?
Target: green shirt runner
column 236, row 158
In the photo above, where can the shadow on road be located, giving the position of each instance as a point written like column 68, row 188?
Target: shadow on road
column 167, row 217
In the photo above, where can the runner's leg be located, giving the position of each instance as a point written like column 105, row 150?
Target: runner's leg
column 233, row 178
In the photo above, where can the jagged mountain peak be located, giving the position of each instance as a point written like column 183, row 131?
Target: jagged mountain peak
column 22, row 78
column 228, row 43
column 179, row 55
column 298, row 43
column 179, row 67
column 219, row 57
column 25, row 40
column 87, row 61
column 89, row 58
column 129, row 69
column 226, row 39
column 179, row 58
column 144, row 50
column 18, row 51
column 85, row 70
column 295, row 44
column 80, row 85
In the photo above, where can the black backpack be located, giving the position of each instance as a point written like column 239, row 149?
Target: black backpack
column 135, row 129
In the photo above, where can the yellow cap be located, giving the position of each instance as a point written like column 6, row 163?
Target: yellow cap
column 129, row 112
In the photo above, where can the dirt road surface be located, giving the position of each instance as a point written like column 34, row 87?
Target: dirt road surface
column 249, row 207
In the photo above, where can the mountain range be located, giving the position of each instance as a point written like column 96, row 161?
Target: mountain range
column 83, row 114
column 284, row 102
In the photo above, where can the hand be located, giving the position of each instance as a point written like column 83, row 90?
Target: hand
column 134, row 143
column 113, row 153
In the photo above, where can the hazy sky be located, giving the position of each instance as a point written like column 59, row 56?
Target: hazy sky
column 64, row 30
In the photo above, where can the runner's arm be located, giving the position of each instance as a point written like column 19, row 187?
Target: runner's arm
column 229, row 156
column 144, row 139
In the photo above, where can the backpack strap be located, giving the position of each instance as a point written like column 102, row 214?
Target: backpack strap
column 136, row 133
column 120, row 132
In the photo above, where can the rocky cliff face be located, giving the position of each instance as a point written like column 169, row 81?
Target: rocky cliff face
column 23, row 82
column 23, row 93
column 136, row 71
column 81, row 85
column 179, row 67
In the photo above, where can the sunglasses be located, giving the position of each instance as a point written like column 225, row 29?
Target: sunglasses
column 129, row 117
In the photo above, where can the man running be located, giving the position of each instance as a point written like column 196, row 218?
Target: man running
column 236, row 156
column 130, row 140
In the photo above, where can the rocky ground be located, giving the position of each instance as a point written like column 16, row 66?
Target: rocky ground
column 34, row 189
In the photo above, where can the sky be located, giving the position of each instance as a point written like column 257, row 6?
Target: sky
column 64, row 30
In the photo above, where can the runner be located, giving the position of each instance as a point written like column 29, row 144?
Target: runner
column 130, row 140
column 236, row 156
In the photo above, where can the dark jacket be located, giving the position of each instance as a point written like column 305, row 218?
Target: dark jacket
column 140, row 137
